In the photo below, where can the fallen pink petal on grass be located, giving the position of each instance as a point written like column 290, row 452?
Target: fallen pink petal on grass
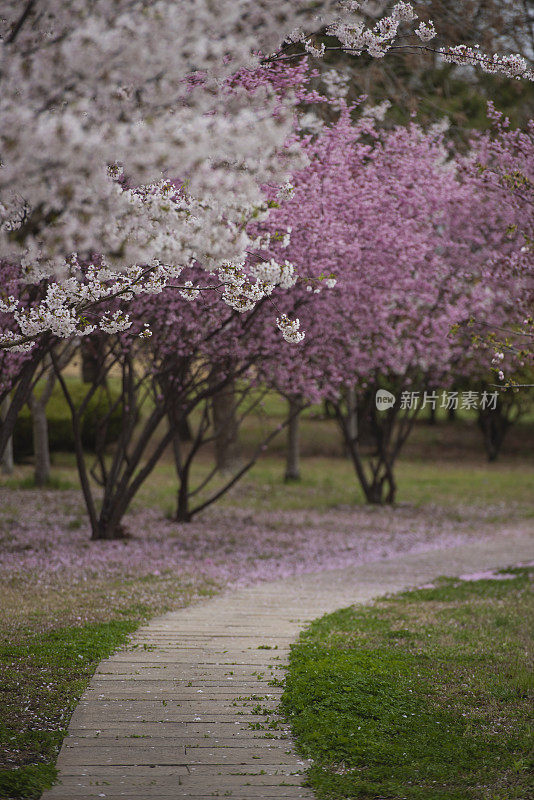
column 45, row 538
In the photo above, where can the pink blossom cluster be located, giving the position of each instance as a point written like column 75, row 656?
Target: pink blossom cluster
column 407, row 235
column 501, row 164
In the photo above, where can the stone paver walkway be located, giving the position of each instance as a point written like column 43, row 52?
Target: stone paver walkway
column 185, row 711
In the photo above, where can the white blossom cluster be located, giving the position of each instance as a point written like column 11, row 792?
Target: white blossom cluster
column 311, row 123
column 377, row 111
column 97, row 97
column 376, row 41
column 290, row 329
column 241, row 294
column 189, row 292
column 285, row 191
column 62, row 310
column 316, row 52
column 425, row 31
column 356, row 37
column 511, row 66
column 403, row 12
column 336, row 83
column 115, row 322
column 271, row 274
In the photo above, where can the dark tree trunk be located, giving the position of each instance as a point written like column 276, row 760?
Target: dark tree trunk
column 293, row 443
column 365, row 434
column 108, row 525
column 6, row 461
column 183, row 429
column 91, row 357
column 493, row 424
column 380, row 488
column 182, row 468
column 182, row 506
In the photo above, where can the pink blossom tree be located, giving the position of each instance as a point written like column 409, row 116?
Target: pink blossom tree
column 499, row 336
column 390, row 217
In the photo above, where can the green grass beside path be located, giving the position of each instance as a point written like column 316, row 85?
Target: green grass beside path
column 426, row 695
column 46, row 675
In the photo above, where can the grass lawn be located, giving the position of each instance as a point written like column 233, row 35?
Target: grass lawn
column 329, row 481
column 425, row 695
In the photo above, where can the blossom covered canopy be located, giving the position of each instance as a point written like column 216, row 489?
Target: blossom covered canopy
column 129, row 149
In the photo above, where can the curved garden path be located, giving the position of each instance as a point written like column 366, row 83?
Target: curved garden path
column 185, row 711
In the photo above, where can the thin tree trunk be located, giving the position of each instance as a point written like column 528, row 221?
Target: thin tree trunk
column 6, row 461
column 293, row 443
column 41, row 449
column 38, row 404
column 182, row 471
column 226, row 429
column 352, row 413
column 352, row 427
